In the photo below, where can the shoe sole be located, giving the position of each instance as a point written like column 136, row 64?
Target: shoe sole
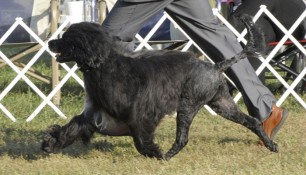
column 277, row 128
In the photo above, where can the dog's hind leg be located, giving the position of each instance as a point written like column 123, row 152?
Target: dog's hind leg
column 143, row 136
column 223, row 105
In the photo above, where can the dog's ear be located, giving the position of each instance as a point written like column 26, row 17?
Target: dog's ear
column 92, row 45
column 104, row 45
column 99, row 46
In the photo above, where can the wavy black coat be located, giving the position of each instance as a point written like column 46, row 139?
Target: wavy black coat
column 135, row 90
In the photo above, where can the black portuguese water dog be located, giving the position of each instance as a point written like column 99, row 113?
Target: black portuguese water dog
column 136, row 90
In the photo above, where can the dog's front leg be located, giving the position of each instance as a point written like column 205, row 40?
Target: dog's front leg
column 184, row 120
column 60, row 137
column 143, row 136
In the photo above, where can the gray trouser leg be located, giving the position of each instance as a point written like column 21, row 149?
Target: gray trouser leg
column 126, row 19
column 216, row 40
column 257, row 97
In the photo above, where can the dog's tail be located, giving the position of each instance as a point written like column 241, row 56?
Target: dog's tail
column 255, row 45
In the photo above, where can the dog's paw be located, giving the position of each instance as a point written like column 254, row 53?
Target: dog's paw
column 273, row 147
column 54, row 128
column 168, row 156
column 48, row 143
column 50, row 139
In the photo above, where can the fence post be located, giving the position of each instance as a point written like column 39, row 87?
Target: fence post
column 55, row 65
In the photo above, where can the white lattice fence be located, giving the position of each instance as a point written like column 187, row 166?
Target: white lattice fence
column 21, row 74
column 143, row 44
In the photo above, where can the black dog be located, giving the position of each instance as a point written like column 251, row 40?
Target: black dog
column 134, row 91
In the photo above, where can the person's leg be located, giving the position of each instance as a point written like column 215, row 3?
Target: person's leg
column 126, row 19
column 216, row 40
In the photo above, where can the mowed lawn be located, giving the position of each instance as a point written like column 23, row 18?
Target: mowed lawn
column 216, row 146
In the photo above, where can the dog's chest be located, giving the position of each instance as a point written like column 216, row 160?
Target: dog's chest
column 106, row 91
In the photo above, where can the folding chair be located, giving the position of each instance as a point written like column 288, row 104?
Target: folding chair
column 274, row 34
column 297, row 62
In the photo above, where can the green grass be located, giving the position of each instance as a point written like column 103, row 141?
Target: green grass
column 216, row 146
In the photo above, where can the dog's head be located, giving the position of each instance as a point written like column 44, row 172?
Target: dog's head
column 84, row 43
column 50, row 139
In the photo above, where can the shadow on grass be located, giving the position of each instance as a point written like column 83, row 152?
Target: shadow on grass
column 236, row 140
column 20, row 143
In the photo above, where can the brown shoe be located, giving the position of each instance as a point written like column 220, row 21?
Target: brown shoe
column 275, row 121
